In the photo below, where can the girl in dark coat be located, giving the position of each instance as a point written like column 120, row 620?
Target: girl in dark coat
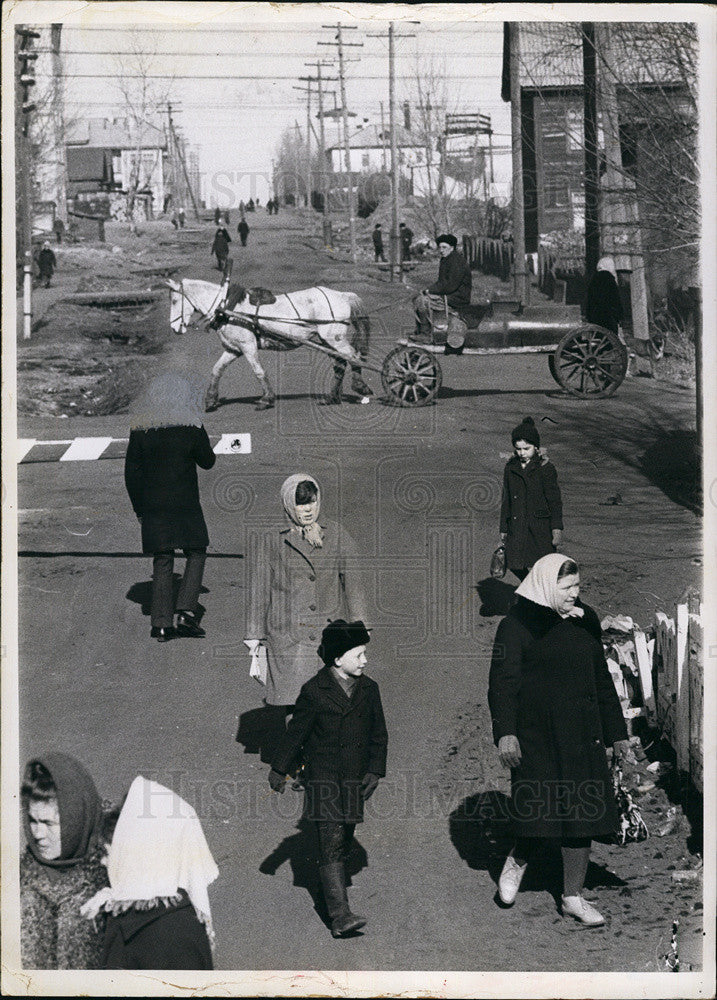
column 61, row 867
column 555, row 711
column 339, row 729
column 531, row 510
column 220, row 246
column 167, row 442
column 603, row 305
column 159, row 868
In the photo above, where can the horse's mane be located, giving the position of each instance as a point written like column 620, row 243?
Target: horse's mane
column 235, row 294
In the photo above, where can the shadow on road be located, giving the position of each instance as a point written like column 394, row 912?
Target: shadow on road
column 482, row 833
column 300, row 849
column 141, row 593
column 260, row 730
column 496, row 597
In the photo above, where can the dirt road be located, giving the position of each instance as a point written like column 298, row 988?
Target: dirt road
column 420, row 490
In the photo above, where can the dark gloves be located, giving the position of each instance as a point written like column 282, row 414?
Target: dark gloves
column 369, row 785
column 277, row 781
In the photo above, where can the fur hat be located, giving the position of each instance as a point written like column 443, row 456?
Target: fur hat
column 339, row 636
column 526, row 431
column 447, row 238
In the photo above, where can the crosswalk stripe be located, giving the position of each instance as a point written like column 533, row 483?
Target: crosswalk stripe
column 88, row 449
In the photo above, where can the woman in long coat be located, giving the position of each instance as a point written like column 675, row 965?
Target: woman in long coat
column 306, row 574
column 167, row 442
column 531, row 512
column 220, row 246
column 555, row 711
column 62, row 866
column 603, row 305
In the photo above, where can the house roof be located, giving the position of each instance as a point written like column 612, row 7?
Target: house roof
column 103, row 134
column 85, row 164
column 373, row 137
column 550, row 55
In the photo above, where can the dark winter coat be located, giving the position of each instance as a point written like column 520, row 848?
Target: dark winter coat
column 377, row 237
column 406, row 237
column 161, row 478
column 530, row 509
column 220, row 246
column 603, row 305
column 295, row 591
column 340, row 739
column 243, row 229
column 47, row 262
column 550, row 686
column 53, row 934
column 165, row 937
column 454, row 280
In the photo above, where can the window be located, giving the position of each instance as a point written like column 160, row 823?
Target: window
column 556, row 193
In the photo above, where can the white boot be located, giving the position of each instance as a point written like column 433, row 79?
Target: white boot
column 576, row 906
column 510, row 879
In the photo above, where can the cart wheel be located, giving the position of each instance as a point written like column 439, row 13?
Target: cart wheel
column 411, row 376
column 551, row 366
column 589, row 361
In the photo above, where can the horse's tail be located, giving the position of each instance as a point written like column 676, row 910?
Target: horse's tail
column 362, row 326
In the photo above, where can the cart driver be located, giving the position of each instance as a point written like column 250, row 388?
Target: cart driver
column 454, row 282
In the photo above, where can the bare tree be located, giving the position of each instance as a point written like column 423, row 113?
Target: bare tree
column 143, row 100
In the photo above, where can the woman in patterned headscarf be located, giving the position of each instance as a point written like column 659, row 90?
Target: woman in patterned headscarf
column 305, row 575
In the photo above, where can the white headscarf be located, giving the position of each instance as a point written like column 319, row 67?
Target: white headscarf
column 311, row 532
column 541, row 584
column 607, row 264
column 157, row 849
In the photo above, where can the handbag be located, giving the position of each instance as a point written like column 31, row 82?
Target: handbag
column 497, row 563
column 631, row 826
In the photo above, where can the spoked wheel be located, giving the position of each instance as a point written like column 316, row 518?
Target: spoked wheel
column 411, row 376
column 589, row 361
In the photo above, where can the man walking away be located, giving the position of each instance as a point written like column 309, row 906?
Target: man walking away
column 405, row 236
column 377, row 237
column 47, row 262
column 243, row 230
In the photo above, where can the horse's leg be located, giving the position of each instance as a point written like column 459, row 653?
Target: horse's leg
column 211, row 399
column 250, row 347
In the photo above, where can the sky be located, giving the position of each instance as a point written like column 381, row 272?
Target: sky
column 230, row 78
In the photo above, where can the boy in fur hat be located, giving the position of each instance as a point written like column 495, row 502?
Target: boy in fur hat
column 338, row 729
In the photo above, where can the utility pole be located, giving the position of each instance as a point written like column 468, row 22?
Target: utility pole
column 170, row 159
column 383, row 142
column 320, row 80
column 297, row 168
column 180, row 153
column 344, row 116
column 520, row 275
column 395, row 253
column 592, row 227
column 24, row 37
column 620, row 212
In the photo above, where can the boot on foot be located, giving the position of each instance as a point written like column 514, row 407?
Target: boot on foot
column 576, row 906
column 333, row 882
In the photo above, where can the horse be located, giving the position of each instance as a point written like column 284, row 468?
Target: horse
column 241, row 315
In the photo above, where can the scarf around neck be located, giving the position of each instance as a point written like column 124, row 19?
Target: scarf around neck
column 79, row 807
column 541, row 584
column 312, row 533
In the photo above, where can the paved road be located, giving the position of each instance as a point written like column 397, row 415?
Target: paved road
column 420, row 490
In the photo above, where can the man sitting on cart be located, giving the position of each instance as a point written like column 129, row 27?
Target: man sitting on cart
column 454, row 283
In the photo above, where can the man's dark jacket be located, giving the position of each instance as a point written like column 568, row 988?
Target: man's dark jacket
column 454, row 280
column 340, row 739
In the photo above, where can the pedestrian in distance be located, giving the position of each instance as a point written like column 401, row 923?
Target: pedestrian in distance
column 405, row 236
column 46, row 262
column 555, row 712
column 61, row 867
column 306, row 575
column 339, row 731
column 453, row 286
column 531, row 509
column 243, row 230
column 226, row 218
column 58, row 227
column 377, row 237
column 174, row 220
column 181, row 215
column 220, row 246
column 603, row 305
column 217, row 216
column 167, row 442
column 159, row 868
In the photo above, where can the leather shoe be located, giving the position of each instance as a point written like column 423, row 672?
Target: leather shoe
column 510, row 879
column 188, row 627
column 163, row 634
column 576, row 906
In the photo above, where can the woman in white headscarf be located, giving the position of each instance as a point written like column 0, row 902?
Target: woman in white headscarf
column 603, row 305
column 304, row 575
column 555, row 712
column 159, row 867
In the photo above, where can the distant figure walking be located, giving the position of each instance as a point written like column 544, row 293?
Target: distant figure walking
column 377, row 237
column 243, row 230
column 182, row 215
column 226, row 218
column 47, row 262
column 217, row 216
column 58, row 227
column 603, row 305
column 405, row 235
column 167, row 442
column 220, row 246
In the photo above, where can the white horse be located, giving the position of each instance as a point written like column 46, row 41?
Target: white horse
column 339, row 319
